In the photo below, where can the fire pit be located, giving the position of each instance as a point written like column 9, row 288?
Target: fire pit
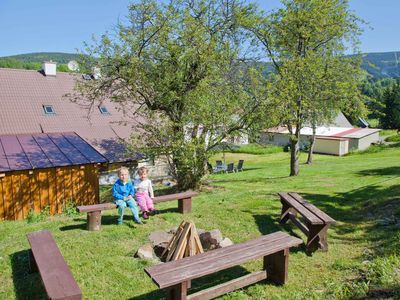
column 183, row 241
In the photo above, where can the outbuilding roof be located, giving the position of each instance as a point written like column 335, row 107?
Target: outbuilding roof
column 336, row 132
column 45, row 150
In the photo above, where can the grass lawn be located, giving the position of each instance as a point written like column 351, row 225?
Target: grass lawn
column 362, row 192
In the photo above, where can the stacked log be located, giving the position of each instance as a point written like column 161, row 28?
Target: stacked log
column 185, row 242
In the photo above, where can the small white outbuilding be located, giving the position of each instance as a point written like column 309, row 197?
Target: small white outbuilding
column 329, row 139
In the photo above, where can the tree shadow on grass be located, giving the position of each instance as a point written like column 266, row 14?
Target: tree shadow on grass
column 80, row 226
column 384, row 293
column 201, row 283
column 355, row 208
column 380, row 172
column 26, row 285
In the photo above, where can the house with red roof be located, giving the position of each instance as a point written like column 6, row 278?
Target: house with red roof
column 52, row 150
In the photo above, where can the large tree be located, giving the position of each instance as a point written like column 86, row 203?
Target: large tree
column 334, row 87
column 177, row 68
column 305, row 41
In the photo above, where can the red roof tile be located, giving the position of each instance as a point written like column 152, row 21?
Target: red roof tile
column 23, row 94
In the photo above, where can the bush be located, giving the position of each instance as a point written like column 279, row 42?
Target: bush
column 387, row 132
column 371, row 149
column 34, row 217
column 393, row 138
column 257, row 149
column 70, row 209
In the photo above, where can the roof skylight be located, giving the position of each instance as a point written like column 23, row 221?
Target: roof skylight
column 104, row 110
column 49, row 110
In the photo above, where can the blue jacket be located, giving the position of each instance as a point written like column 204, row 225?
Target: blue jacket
column 121, row 190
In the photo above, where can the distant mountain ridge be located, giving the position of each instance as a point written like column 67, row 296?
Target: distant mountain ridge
column 40, row 57
column 378, row 65
column 382, row 64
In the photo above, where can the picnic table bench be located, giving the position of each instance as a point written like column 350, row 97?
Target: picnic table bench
column 45, row 257
column 176, row 275
column 316, row 221
column 94, row 211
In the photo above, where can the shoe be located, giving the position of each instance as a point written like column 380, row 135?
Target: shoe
column 138, row 221
column 120, row 222
column 153, row 212
column 145, row 216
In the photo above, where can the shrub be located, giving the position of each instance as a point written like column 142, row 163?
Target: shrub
column 34, row 217
column 70, row 209
column 393, row 138
column 257, row 149
column 371, row 149
column 349, row 290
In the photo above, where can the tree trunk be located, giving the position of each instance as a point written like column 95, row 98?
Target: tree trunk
column 294, row 156
column 190, row 168
column 311, row 149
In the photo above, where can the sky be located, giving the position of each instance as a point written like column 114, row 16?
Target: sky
column 64, row 25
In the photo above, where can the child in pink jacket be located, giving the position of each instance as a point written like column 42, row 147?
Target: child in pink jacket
column 144, row 193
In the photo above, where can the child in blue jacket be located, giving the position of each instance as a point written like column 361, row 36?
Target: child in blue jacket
column 123, row 193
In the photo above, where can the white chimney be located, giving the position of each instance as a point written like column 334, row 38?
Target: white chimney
column 49, row 68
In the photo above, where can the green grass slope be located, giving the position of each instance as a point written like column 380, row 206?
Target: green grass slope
column 360, row 191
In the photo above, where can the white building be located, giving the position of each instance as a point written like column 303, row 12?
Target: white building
column 336, row 139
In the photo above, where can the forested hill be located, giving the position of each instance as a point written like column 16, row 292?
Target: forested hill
column 379, row 65
column 59, row 57
column 384, row 64
column 33, row 61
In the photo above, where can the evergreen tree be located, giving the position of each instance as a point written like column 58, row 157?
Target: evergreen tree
column 390, row 117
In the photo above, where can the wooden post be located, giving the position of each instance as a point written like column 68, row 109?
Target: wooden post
column 323, row 239
column 94, row 220
column 178, row 292
column 317, row 238
column 286, row 210
column 185, row 205
column 32, row 263
column 276, row 265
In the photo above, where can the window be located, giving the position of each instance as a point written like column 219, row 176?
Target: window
column 48, row 109
column 104, row 110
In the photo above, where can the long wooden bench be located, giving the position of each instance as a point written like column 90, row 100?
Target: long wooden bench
column 176, row 276
column 316, row 221
column 45, row 257
column 94, row 211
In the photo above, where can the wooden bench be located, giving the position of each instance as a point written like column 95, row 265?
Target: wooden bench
column 94, row 211
column 316, row 221
column 45, row 257
column 176, row 276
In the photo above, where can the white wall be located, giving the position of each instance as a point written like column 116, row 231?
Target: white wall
column 366, row 141
column 331, row 146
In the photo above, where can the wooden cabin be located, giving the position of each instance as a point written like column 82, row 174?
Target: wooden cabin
column 46, row 170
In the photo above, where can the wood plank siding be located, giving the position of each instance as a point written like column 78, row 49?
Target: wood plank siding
column 33, row 190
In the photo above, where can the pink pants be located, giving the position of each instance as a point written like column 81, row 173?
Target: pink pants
column 144, row 201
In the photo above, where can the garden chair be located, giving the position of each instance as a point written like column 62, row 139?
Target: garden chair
column 220, row 167
column 230, row 168
column 240, row 166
